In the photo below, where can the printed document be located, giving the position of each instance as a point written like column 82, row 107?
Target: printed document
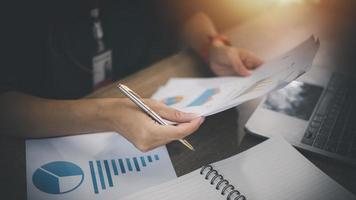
column 207, row 96
column 92, row 166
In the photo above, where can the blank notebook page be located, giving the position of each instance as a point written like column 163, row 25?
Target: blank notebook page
column 275, row 170
column 269, row 171
column 190, row 186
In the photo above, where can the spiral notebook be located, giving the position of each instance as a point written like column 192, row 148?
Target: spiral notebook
column 269, row 171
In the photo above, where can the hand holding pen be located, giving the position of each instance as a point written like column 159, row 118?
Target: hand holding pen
column 160, row 133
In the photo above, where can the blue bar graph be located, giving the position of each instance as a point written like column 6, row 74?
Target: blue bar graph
column 93, row 178
column 119, row 167
column 136, row 164
column 108, row 173
column 143, row 161
column 204, row 97
column 122, row 167
column 101, row 175
column 129, row 166
column 149, row 158
column 113, row 163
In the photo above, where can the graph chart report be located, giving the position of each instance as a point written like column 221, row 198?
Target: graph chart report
column 92, row 166
column 103, row 172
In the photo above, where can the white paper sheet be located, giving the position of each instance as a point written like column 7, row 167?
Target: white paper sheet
column 61, row 168
column 207, row 96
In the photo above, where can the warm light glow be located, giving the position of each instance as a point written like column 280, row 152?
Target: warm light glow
column 289, row 1
column 283, row 2
column 258, row 3
column 244, row 9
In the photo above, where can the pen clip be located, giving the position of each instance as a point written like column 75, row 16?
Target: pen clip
column 124, row 87
column 140, row 103
column 138, row 100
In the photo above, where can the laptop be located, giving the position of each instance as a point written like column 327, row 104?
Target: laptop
column 316, row 113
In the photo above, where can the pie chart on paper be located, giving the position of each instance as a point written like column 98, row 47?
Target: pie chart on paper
column 58, row 177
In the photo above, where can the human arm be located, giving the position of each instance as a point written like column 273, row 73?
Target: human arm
column 27, row 116
column 201, row 35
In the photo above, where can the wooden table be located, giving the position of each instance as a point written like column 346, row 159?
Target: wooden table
column 223, row 134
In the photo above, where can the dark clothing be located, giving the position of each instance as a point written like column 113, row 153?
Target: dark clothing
column 50, row 46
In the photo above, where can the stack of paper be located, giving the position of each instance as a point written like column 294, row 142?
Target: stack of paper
column 207, row 96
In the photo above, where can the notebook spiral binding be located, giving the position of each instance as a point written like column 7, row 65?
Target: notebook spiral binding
column 220, row 183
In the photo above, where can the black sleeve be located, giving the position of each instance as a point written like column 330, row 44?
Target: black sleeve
column 22, row 55
column 34, row 61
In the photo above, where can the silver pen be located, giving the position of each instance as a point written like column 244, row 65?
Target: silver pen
column 135, row 98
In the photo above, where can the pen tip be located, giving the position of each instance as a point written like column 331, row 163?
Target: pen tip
column 190, row 147
column 187, row 144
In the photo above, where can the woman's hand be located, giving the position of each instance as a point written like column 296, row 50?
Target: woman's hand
column 32, row 117
column 227, row 60
column 199, row 32
column 126, row 118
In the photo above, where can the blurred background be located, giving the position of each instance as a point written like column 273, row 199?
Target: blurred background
column 46, row 41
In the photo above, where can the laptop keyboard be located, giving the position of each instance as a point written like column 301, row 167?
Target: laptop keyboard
column 333, row 125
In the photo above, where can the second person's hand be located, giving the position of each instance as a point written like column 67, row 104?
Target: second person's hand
column 228, row 60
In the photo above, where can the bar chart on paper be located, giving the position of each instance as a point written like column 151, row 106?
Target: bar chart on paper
column 205, row 97
column 172, row 100
column 106, row 173
column 92, row 167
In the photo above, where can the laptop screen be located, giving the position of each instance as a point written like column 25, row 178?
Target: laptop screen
column 297, row 99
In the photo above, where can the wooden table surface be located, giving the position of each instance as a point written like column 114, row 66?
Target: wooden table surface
column 223, row 134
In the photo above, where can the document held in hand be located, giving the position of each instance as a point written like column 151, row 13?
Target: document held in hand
column 207, row 96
